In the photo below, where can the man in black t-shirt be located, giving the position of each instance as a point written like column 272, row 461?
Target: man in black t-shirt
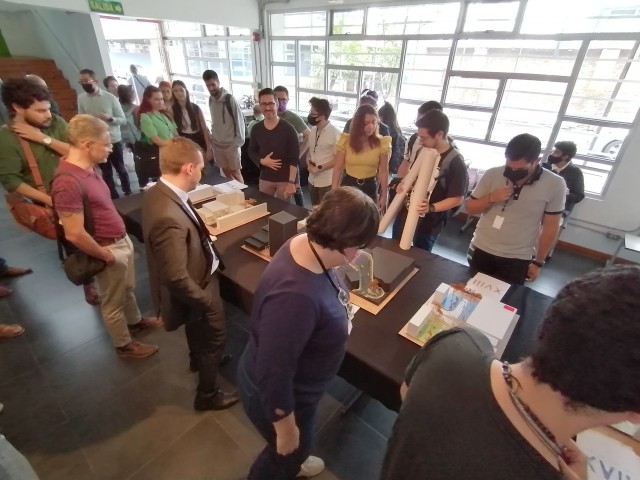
column 466, row 415
column 450, row 189
column 274, row 147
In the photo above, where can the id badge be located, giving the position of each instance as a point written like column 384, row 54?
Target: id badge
column 497, row 222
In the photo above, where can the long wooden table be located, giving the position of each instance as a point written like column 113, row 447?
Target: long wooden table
column 376, row 356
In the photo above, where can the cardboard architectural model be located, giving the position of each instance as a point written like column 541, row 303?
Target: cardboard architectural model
column 230, row 210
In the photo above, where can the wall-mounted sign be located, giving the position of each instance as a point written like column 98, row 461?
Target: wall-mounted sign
column 106, row 6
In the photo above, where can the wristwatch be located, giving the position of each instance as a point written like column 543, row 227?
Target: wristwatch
column 47, row 141
column 537, row 263
column 319, row 167
column 292, row 181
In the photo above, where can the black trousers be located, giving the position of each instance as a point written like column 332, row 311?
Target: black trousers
column 206, row 334
column 115, row 161
column 369, row 186
column 511, row 270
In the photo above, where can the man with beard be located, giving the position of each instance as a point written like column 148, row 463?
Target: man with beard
column 105, row 106
column 31, row 120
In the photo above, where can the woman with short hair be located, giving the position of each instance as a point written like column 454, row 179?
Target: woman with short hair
column 189, row 119
column 167, row 96
column 111, row 85
column 298, row 332
column 363, row 156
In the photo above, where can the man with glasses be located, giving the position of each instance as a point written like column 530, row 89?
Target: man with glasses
column 282, row 97
column 105, row 106
column 76, row 179
column 275, row 148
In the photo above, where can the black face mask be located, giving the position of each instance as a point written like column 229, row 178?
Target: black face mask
column 553, row 160
column 87, row 87
column 313, row 121
column 515, row 175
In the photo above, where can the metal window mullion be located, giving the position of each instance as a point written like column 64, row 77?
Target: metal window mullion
column 365, row 20
column 468, row 108
column 360, row 86
column 510, row 76
column 363, row 67
column 403, row 54
column 227, row 51
column 598, row 122
column 621, row 78
column 297, row 75
column 326, row 63
column 517, row 26
column 502, row 86
column 582, row 53
column 462, row 17
column 448, row 70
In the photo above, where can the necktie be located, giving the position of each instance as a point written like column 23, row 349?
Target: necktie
column 204, row 235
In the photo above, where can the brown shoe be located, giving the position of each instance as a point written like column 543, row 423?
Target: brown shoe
column 91, row 293
column 16, row 272
column 10, row 330
column 5, row 292
column 145, row 323
column 135, row 349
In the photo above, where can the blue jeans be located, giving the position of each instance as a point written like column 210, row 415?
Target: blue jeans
column 423, row 240
column 13, row 465
column 269, row 465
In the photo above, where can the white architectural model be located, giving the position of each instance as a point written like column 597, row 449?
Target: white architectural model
column 230, row 210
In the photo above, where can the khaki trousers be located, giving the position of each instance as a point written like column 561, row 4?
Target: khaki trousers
column 116, row 282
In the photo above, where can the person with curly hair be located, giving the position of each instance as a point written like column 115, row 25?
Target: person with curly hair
column 466, row 414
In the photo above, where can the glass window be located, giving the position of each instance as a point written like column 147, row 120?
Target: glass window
column 213, row 48
column 598, row 92
column 381, row 53
column 240, row 58
column 480, row 92
column 116, row 29
column 283, row 51
column 236, row 31
column 197, row 67
column 595, row 175
column 413, row 19
column 345, row 81
column 182, row 29
column 468, row 123
column 594, row 140
column 240, row 90
column 407, row 114
column 480, row 155
column 350, row 21
column 343, row 107
column 528, row 106
column 286, row 76
column 214, row 30
column 385, row 84
column 311, row 66
column 177, row 60
column 424, row 69
column 298, row 24
column 517, row 56
column 192, row 47
column 590, row 16
column 491, row 17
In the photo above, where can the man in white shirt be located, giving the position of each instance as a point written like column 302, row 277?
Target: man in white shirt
column 322, row 149
column 138, row 82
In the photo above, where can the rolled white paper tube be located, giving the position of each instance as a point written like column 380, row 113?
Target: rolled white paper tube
column 398, row 200
column 428, row 169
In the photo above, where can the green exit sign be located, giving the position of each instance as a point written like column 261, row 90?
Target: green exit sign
column 104, row 6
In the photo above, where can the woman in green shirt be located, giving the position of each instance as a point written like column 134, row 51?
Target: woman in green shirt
column 156, row 128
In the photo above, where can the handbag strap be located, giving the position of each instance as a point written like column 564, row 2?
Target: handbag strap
column 33, row 165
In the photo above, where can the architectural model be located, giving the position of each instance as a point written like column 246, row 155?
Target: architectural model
column 374, row 275
column 230, row 210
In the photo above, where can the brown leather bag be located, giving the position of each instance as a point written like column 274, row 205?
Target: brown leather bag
column 32, row 216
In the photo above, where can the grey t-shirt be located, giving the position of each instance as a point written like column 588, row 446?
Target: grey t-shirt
column 450, row 426
column 519, row 232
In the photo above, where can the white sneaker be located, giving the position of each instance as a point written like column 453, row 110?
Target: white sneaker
column 311, row 467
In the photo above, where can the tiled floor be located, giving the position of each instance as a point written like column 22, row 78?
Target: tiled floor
column 78, row 412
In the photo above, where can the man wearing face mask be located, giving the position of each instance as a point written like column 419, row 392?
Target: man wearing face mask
column 282, row 97
column 322, row 149
column 105, row 106
column 560, row 162
column 521, row 206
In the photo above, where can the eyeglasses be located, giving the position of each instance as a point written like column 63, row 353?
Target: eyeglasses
column 343, row 298
column 268, row 104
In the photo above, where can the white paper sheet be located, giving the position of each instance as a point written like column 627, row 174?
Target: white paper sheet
column 608, row 458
